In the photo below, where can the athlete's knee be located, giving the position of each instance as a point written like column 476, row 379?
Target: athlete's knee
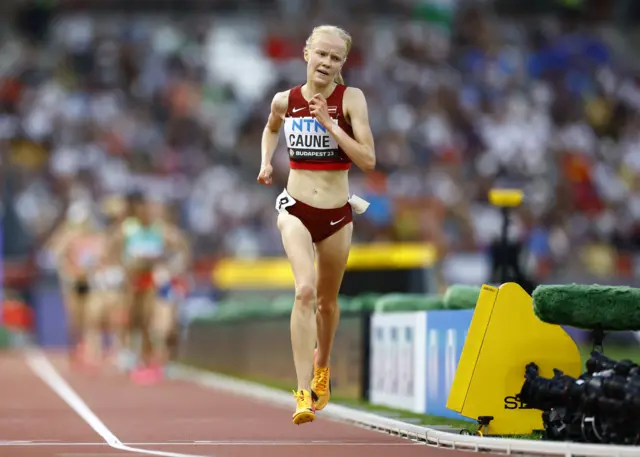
column 327, row 305
column 305, row 294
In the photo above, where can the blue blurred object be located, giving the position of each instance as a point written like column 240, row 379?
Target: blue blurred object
column 539, row 241
column 380, row 211
column 166, row 291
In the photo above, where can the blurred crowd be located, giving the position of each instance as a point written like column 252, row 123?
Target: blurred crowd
column 460, row 99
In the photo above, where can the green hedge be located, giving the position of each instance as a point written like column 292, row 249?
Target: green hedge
column 457, row 296
column 408, row 302
column 460, row 296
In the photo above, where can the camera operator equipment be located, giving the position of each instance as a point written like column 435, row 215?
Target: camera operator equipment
column 601, row 406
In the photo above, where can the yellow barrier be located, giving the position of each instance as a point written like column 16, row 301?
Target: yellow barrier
column 275, row 272
column 504, row 336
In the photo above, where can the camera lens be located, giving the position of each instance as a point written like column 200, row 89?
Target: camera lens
column 602, row 405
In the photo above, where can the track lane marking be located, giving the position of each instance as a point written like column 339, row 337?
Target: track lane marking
column 42, row 367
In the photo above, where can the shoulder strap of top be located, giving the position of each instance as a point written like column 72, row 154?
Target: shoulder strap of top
column 295, row 94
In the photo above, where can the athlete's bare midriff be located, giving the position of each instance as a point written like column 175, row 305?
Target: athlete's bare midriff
column 324, row 189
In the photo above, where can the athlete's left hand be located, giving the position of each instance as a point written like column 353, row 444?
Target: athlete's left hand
column 319, row 110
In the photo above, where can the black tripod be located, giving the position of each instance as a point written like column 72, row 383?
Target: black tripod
column 505, row 253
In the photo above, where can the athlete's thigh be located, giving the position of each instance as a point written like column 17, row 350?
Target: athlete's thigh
column 109, row 301
column 104, row 307
column 94, row 305
column 115, row 307
column 298, row 246
column 162, row 316
column 82, row 304
column 135, row 308
column 71, row 301
column 333, row 253
column 66, row 290
column 78, row 303
column 149, row 304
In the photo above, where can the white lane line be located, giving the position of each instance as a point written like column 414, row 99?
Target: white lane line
column 41, row 366
column 208, row 443
column 90, row 454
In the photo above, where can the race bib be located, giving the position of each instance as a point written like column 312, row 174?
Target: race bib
column 284, row 201
column 108, row 279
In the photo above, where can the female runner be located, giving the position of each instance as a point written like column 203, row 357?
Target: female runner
column 171, row 279
column 327, row 128
column 143, row 244
column 76, row 247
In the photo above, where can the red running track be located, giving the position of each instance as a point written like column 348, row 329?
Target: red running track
column 171, row 419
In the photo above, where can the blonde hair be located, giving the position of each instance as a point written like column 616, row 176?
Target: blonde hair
column 336, row 31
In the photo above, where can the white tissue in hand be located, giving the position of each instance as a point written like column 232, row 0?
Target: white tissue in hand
column 358, row 204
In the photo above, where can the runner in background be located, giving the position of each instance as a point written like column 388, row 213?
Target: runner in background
column 78, row 252
column 120, row 213
column 101, row 280
column 172, row 281
column 145, row 245
column 106, row 313
column 55, row 245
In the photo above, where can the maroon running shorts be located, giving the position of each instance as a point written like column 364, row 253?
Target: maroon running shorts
column 321, row 223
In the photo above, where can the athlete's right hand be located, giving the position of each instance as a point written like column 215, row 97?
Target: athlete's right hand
column 264, row 177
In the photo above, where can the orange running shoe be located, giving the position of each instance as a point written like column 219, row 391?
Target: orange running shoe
column 304, row 407
column 320, row 385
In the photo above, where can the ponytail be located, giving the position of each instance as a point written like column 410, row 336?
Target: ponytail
column 339, row 79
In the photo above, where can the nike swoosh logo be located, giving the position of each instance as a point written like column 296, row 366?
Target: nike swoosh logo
column 336, row 222
column 295, row 110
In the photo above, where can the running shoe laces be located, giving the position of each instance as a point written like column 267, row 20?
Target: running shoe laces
column 303, row 401
column 321, row 381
